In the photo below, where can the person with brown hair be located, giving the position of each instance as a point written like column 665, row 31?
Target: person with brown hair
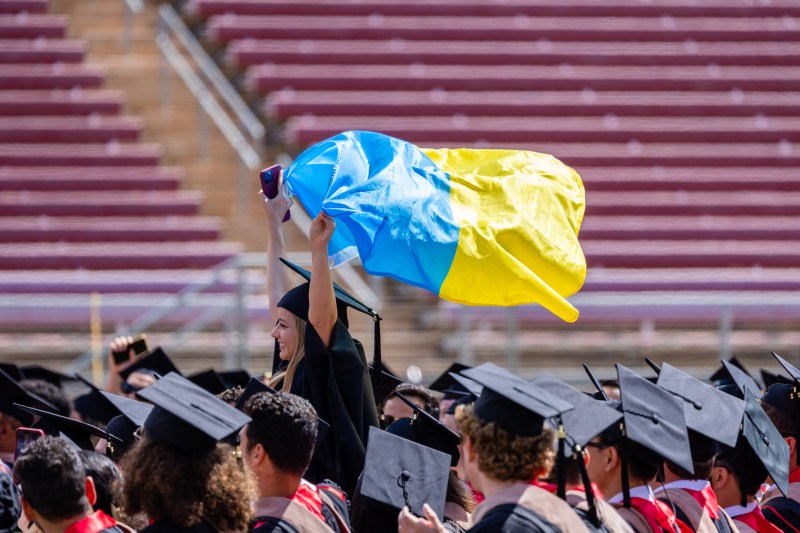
column 316, row 356
column 178, row 473
column 506, row 446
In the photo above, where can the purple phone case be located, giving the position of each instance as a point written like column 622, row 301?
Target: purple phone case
column 269, row 184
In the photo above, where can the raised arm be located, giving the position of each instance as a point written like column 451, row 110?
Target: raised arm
column 321, row 300
column 275, row 209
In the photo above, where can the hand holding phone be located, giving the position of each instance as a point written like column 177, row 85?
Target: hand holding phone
column 270, row 178
column 24, row 437
column 138, row 345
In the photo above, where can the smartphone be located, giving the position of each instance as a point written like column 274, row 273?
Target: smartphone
column 24, row 437
column 269, row 184
column 139, row 345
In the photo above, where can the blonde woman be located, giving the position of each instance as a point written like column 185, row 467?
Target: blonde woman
column 318, row 358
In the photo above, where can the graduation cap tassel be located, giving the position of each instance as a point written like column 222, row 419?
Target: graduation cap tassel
column 587, row 484
column 561, row 462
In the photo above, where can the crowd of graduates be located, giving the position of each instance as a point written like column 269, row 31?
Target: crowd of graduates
column 326, row 442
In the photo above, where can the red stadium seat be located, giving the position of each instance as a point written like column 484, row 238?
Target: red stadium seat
column 56, row 102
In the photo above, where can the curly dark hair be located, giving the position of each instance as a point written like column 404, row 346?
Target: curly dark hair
column 232, row 395
column 502, row 455
column 286, row 426
column 107, row 479
column 52, row 479
column 185, row 489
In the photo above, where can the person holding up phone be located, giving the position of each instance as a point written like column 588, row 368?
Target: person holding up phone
column 319, row 359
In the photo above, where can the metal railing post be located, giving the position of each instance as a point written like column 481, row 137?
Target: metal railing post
column 465, row 352
column 512, row 338
column 725, row 332
column 243, row 357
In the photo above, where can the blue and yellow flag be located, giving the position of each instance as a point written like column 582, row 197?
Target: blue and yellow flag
column 475, row 226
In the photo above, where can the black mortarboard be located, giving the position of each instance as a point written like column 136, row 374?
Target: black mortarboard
column 514, row 404
column 11, row 395
column 383, row 387
column 92, row 405
column 296, row 301
column 733, row 371
column 470, row 386
column 157, row 361
column 445, row 380
column 770, row 378
column 707, row 410
column 426, row 430
column 255, row 386
column 77, row 431
column 766, row 441
column 588, row 419
column 792, row 370
column 12, row 370
column 208, row 380
column 132, row 415
column 654, row 418
column 233, row 378
column 46, row 374
column 188, row 418
column 399, row 472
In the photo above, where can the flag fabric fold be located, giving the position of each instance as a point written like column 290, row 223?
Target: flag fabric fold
column 474, row 226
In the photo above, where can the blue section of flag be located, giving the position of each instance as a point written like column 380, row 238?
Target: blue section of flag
column 390, row 202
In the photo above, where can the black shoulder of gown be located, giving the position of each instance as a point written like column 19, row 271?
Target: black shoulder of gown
column 513, row 518
column 784, row 513
column 163, row 526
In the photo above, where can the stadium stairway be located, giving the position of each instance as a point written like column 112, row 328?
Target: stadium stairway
column 680, row 116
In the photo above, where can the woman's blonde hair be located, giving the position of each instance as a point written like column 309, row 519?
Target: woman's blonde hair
column 283, row 380
column 503, row 455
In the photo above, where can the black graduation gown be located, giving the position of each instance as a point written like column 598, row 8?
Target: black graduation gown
column 783, row 513
column 512, row 518
column 336, row 382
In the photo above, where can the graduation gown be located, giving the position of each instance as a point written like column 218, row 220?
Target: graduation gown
column 696, row 506
column 311, row 509
column 750, row 519
column 336, row 382
column 97, row 522
column 611, row 521
column 523, row 508
column 164, row 526
column 782, row 511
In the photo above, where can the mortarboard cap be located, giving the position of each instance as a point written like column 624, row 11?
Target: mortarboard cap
column 132, row 415
column 470, row 386
column 445, row 380
column 792, row 370
column 766, row 442
column 12, row 395
column 707, row 410
column 783, row 397
column 424, row 429
column 12, row 370
column 589, row 418
column 399, row 472
column 46, row 374
column 514, row 404
column 255, row 386
column 733, row 372
column 654, row 418
column 770, row 378
column 156, row 361
column 234, row 378
column 77, row 431
column 208, row 380
column 188, row 418
column 93, row 405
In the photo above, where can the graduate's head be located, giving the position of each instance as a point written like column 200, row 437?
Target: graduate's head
column 783, row 408
column 504, row 434
column 290, row 323
column 393, row 408
column 281, row 436
column 737, row 471
column 178, row 471
column 107, row 479
column 53, row 481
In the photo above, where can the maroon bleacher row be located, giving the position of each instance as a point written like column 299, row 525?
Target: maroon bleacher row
column 84, row 206
column 681, row 117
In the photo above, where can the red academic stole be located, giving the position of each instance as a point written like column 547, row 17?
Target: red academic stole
column 94, row 523
column 552, row 488
column 659, row 516
column 756, row 520
column 308, row 497
column 707, row 500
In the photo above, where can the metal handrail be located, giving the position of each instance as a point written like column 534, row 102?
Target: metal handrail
column 170, row 20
